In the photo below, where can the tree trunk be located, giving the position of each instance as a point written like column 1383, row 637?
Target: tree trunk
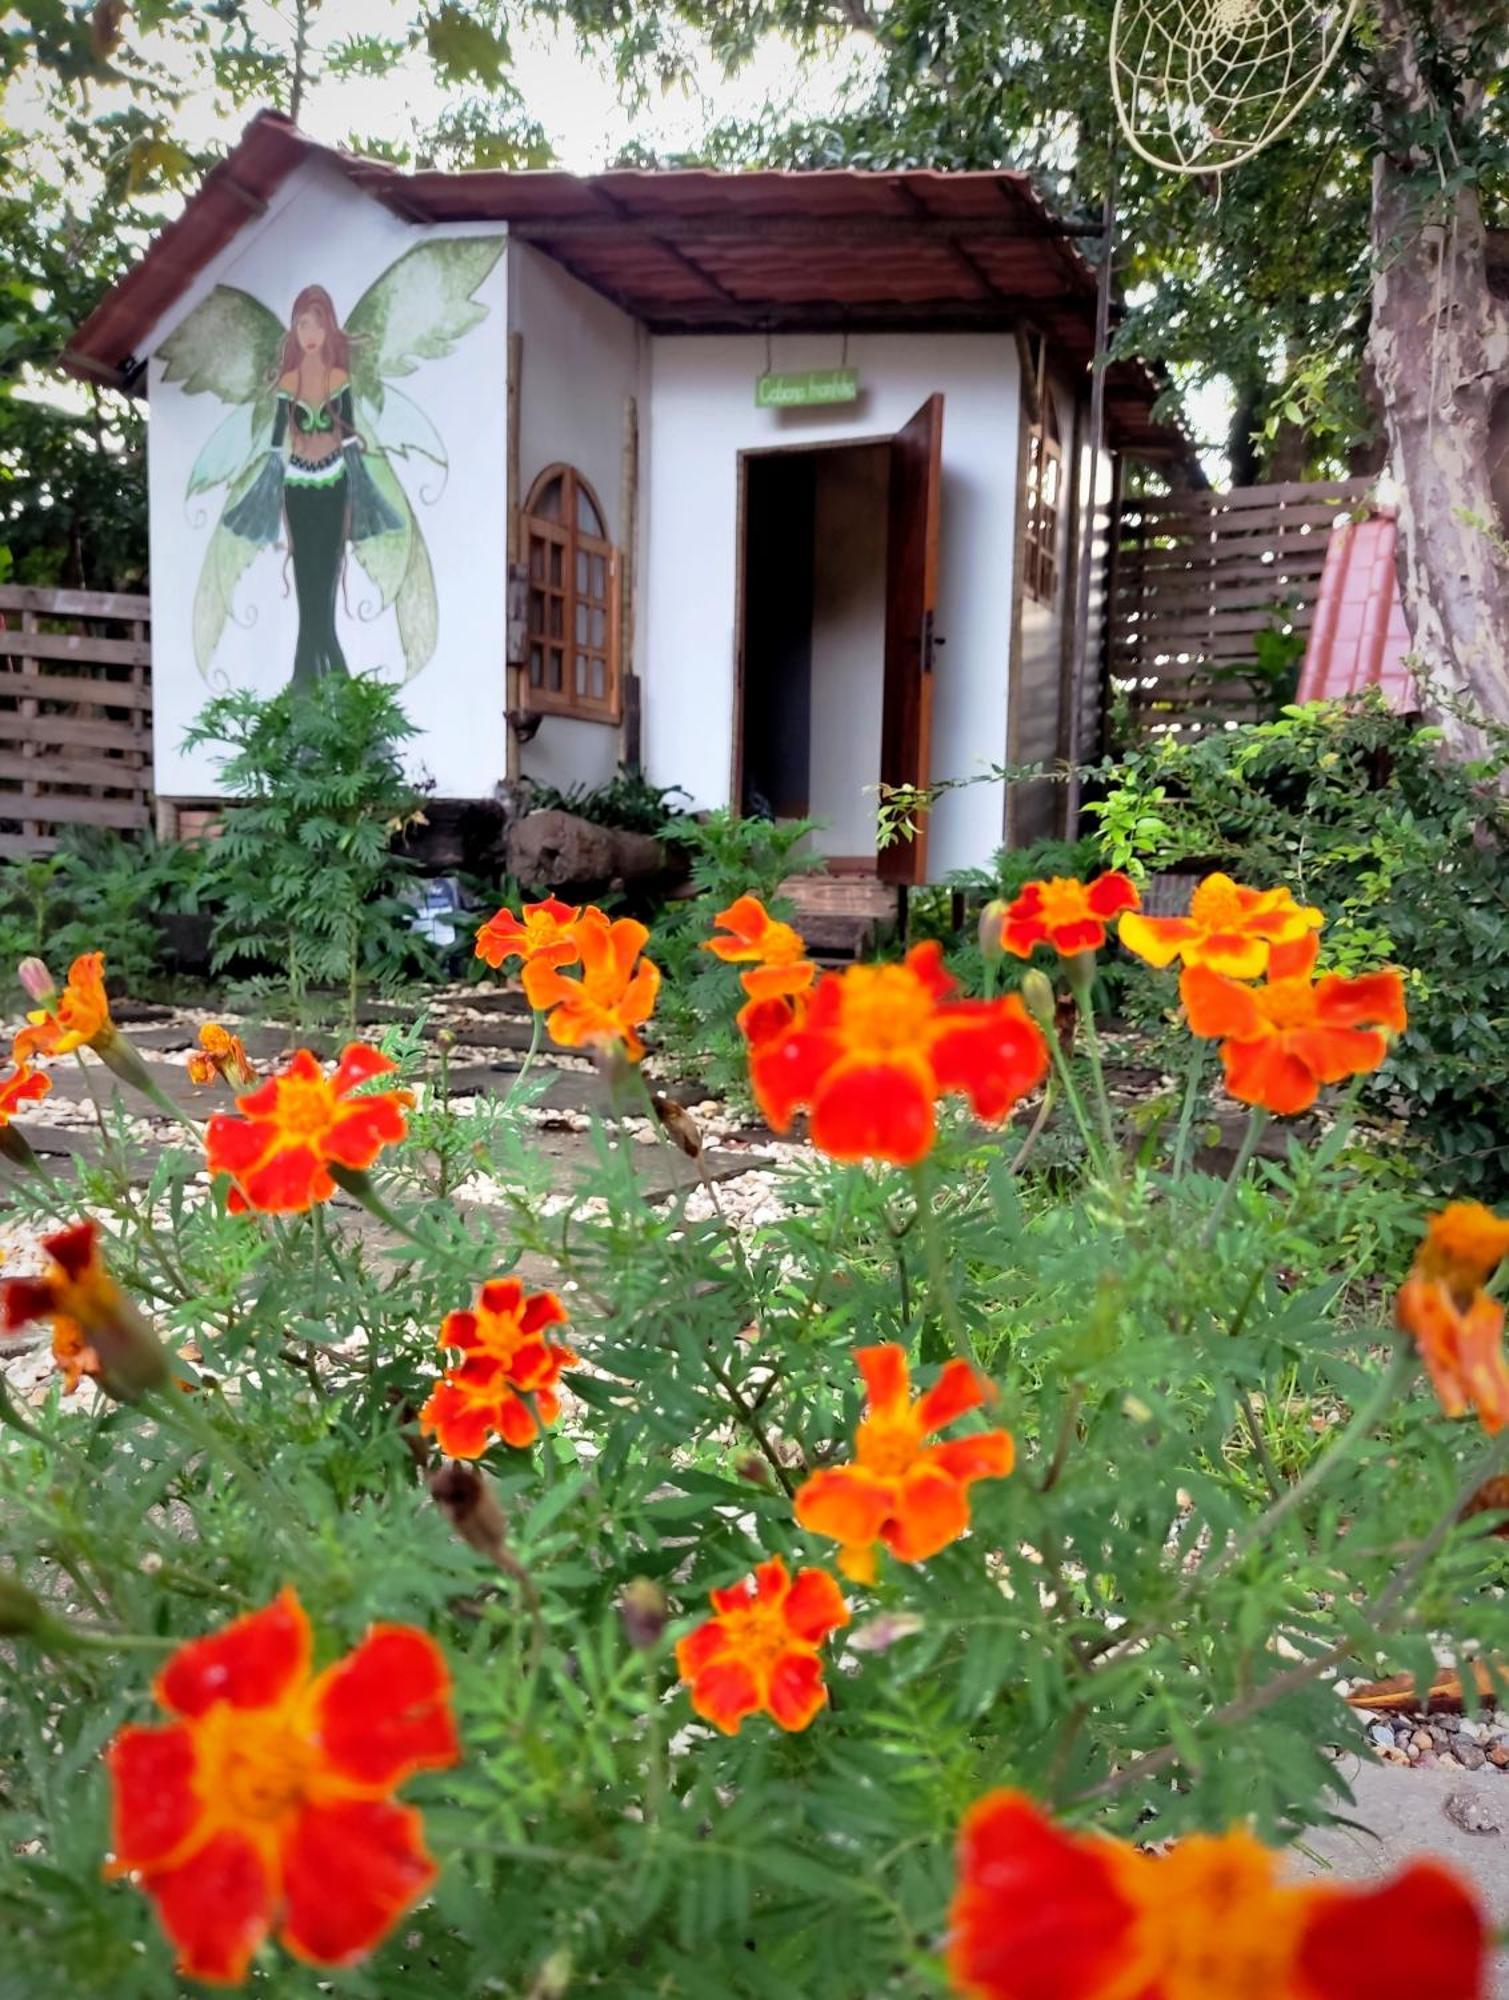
column 1439, row 348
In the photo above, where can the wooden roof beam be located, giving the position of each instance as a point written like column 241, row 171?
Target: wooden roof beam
column 791, row 228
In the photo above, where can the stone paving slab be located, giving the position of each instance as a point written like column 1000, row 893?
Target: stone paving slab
column 1461, row 1817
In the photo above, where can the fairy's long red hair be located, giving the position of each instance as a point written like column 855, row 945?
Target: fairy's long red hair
column 337, row 344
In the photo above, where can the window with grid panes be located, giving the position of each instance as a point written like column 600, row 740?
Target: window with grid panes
column 571, row 653
column 1044, row 496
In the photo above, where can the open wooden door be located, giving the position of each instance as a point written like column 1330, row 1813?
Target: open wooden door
column 910, row 605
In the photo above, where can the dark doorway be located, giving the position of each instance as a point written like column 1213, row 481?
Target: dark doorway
column 838, row 590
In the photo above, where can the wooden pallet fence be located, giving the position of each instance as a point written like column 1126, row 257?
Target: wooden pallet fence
column 75, row 715
column 1195, row 579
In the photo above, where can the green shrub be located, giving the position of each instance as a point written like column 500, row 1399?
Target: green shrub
column 730, row 856
column 628, row 801
column 307, row 866
column 1360, row 812
column 99, row 892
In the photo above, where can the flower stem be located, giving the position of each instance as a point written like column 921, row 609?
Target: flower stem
column 1098, row 1075
column 937, row 1267
column 1191, row 1099
column 529, row 1055
column 1257, row 1121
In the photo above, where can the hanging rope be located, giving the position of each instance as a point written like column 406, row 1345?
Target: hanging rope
column 1203, row 85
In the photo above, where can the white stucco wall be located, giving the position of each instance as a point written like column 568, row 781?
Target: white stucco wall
column 702, row 414
column 319, row 229
column 579, row 368
column 848, row 645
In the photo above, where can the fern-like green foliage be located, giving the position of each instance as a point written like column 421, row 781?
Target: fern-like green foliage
column 309, row 871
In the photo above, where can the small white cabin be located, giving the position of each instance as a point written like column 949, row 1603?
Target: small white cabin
column 770, row 484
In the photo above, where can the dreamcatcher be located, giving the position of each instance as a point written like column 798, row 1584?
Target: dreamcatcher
column 1203, row 85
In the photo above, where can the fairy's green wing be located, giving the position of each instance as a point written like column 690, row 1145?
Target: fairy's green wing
column 228, row 347
column 225, row 562
column 399, row 565
column 418, row 309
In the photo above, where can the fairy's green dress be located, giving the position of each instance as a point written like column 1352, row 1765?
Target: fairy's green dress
column 326, row 502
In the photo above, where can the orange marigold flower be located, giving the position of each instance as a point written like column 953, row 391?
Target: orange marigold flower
column 615, row 994
column 546, row 932
column 1230, row 928
column 911, row 1495
column 24, row 1085
column 776, row 954
column 80, row 1017
column 1281, row 1041
column 1462, row 1346
column 505, row 1357
column 91, row 1316
column 761, row 1651
column 877, row 1047
column 1041, row 1913
column 220, row 1054
column 267, row 1802
column 1464, row 1245
column 1069, row 915
column 297, row 1125
column 1458, row 1328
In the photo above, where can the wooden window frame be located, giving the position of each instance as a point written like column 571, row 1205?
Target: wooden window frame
column 571, row 697
column 1043, row 494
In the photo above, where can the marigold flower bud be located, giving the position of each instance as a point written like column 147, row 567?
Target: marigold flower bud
column 36, row 981
column 469, row 1503
column 643, row 1611
column 752, row 1468
column 20, row 1612
column 1037, row 998
column 992, row 924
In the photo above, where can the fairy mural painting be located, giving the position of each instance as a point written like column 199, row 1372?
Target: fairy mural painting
column 309, row 451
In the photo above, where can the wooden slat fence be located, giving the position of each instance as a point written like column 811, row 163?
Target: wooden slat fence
column 75, row 714
column 1194, row 579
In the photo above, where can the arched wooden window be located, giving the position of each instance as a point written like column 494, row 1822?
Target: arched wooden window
column 1044, row 496
column 571, row 641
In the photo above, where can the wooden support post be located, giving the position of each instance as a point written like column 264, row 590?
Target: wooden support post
column 1079, row 673
column 631, row 748
column 513, row 678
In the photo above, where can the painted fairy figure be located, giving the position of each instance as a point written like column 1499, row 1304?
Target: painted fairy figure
column 308, row 451
column 323, row 493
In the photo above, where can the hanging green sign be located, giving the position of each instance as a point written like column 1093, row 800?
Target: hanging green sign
column 816, row 385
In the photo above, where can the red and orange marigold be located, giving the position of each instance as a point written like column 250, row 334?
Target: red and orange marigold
column 1042, row 1913
column 505, row 1357
column 1230, row 928
column 615, row 994
column 284, row 1137
column 96, row 1329
column 761, row 1651
column 24, row 1085
column 1458, row 1329
column 1281, row 1041
column 78, row 1018
column 545, row 933
column 267, row 1802
column 901, row 1491
column 1069, row 915
column 880, row 1044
